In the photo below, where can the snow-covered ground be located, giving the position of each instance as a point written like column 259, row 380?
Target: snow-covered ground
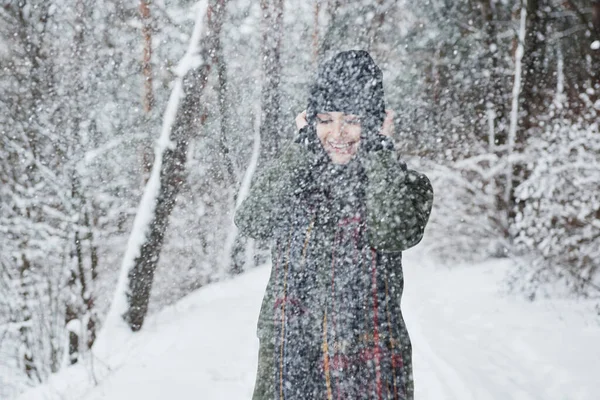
column 470, row 342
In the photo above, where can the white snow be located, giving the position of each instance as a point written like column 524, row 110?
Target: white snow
column 595, row 45
column 470, row 342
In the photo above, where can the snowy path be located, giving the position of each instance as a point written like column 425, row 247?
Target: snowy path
column 469, row 341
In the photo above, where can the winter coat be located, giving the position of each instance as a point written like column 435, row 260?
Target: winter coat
column 330, row 325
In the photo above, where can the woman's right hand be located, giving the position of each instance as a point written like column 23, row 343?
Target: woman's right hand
column 301, row 121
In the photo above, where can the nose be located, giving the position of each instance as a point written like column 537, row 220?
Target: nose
column 338, row 128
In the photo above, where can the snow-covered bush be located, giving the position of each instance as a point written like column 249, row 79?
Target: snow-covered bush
column 466, row 224
column 558, row 228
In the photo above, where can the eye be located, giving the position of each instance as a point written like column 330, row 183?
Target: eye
column 323, row 121
column 352, row 121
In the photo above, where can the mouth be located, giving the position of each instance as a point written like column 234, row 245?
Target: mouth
column 341, row 147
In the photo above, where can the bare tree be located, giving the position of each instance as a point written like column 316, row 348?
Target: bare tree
column 315, row 35
column 327, row 41
column 181, row 120
column 376, row 24
column 146, row 61
column 272, row 31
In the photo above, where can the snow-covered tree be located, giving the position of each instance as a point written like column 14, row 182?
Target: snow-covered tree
column 558, row 229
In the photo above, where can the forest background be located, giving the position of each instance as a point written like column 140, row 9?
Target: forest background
column 112, row 109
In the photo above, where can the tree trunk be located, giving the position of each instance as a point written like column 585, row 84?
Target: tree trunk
column 148, row 94
column 80, row 307
column 514, row 114
column 146, row 62
column 329, row 37
column 88, row 293
column 315, row 35
column 496, row 110
column 376, row 24
column 534, row 81
column 271, row 128
column 533, row 96
column 243, row 246
column 27, row 356
column 595, row 71
column 218, row 61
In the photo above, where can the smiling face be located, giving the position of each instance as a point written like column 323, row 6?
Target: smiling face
column 339, row 134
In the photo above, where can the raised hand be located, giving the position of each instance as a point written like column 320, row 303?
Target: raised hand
column 301, row 120
column 387, row 128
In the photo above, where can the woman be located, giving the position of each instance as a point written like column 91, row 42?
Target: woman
column 339, row 208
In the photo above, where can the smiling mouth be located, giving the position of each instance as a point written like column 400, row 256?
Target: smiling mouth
column 341, row 147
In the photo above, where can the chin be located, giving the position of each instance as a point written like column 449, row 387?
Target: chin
column 340, row 159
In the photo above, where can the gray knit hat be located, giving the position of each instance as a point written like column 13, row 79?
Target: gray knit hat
column 352, row 83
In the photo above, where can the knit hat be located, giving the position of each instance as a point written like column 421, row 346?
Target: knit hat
column 352, row 83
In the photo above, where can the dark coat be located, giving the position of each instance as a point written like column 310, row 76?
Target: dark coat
column 330, row 324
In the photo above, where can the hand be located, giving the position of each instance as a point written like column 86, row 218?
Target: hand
column 377, row 143
column 387, row 128
column 308, row 139
column 301, row 121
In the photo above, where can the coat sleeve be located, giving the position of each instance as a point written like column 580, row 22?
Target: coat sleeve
column 270, row 198
column 399, row 202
